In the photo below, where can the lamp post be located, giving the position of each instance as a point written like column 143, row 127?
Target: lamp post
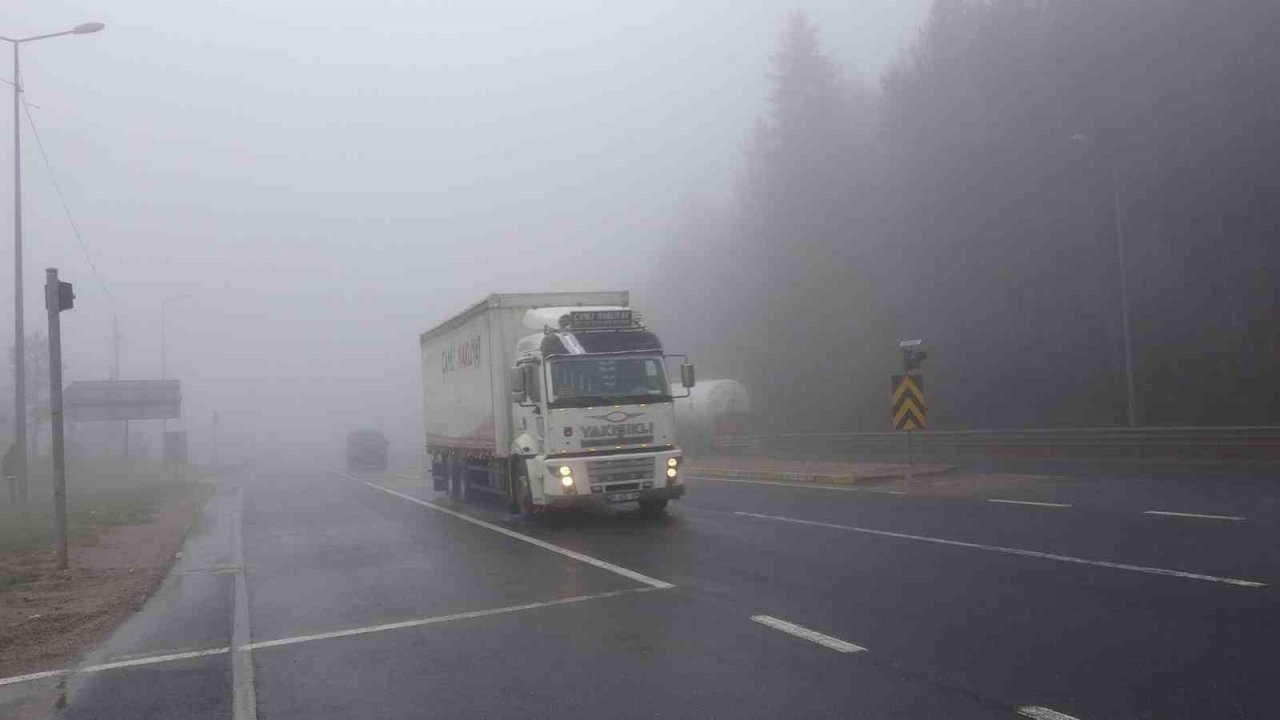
column 19, row 343
column 1124, row 285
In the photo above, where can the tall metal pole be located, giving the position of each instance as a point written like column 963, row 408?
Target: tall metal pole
column 54, row 304
column 164, row 373
column 1124, row 298
column 19, row 336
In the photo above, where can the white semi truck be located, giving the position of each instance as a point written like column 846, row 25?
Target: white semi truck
column 552, row 400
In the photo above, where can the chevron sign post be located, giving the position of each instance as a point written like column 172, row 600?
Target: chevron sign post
column 908, row 402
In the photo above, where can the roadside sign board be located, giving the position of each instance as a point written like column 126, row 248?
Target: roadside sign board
column 908, row 407
column 88, row 400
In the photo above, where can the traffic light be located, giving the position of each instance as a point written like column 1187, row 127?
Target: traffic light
column 65, row 300
column 66, row 296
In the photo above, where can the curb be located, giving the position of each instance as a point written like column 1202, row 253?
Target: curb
column 814, row 478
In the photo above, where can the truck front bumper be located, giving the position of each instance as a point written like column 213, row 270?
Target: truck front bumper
column 601, row 499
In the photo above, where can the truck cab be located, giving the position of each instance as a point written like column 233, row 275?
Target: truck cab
column 592, row 410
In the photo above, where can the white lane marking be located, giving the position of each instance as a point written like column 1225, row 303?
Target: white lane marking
column 811, row 635
column 630, row 574
column 441, row 619
column 802, row 485
column 1192, row 515
column 244, row 699
column 408, row 477
column 1028, row 502
column 1043, row 713
column 173, row 657
column 1018, row 551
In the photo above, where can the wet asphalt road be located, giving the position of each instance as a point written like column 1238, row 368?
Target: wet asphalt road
column 947, row 622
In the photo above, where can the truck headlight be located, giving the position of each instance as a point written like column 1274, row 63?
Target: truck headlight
column 671, row 472
column 565, row 471
column 673, row 462
column 566, row 480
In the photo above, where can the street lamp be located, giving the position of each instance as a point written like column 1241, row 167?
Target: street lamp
column 1124, row 285
column 19, row 343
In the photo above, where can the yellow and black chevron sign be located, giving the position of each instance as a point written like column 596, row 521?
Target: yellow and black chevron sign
column 908, row 402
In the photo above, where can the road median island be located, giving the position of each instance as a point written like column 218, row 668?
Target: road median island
column 123, row 537
column 808, row 471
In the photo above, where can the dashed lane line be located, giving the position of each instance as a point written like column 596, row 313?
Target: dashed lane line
column 1018, row 551
column 1192, row 515
column 1028, row 502
column 811, row 635
column 1043, row 713
column 1005, row 501
column 616, row 569
column 812, row 486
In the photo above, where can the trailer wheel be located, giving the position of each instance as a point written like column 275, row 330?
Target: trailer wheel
column 457, row 480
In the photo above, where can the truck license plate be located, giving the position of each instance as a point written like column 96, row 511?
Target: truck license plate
column 624, row 497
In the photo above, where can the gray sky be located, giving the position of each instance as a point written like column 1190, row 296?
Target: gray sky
column 326, row 181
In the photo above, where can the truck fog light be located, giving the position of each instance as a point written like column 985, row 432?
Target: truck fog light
column 671, row 472
column 567, row 481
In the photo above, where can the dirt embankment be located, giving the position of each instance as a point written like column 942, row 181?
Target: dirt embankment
column 48, row 617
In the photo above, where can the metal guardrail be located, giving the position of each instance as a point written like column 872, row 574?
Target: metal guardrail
column 1173, row 443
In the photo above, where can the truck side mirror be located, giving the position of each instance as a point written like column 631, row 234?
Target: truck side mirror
column 515, row 377
column 532, row 386
column 687, row 377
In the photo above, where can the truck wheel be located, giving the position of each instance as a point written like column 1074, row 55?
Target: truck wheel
column 653, row 508
column 522, row 495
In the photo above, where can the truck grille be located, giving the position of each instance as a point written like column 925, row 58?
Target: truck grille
column 609, row 471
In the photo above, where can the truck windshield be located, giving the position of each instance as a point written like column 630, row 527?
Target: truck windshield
column 586, row 381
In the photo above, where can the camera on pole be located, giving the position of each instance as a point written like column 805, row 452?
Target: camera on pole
column 913, row 355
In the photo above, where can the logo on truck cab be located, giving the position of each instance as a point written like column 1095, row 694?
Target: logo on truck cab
column 597, row 435
column 464, row 355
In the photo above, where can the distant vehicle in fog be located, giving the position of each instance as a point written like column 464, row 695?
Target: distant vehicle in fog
column 717, row 411
column 366, row 450
column 551, row 400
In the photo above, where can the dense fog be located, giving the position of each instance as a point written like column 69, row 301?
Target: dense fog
column 788, row 188
column 977, row 195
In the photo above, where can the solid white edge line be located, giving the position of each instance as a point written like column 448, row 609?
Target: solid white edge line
column 814, row 486
column 630, row 574
column 244, row 698
column 811, row 635
column 1028, row 502
column 1192, row 515
column 1043, row 713
column 1018, row 551
column 441, row 619
column 173, row 657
